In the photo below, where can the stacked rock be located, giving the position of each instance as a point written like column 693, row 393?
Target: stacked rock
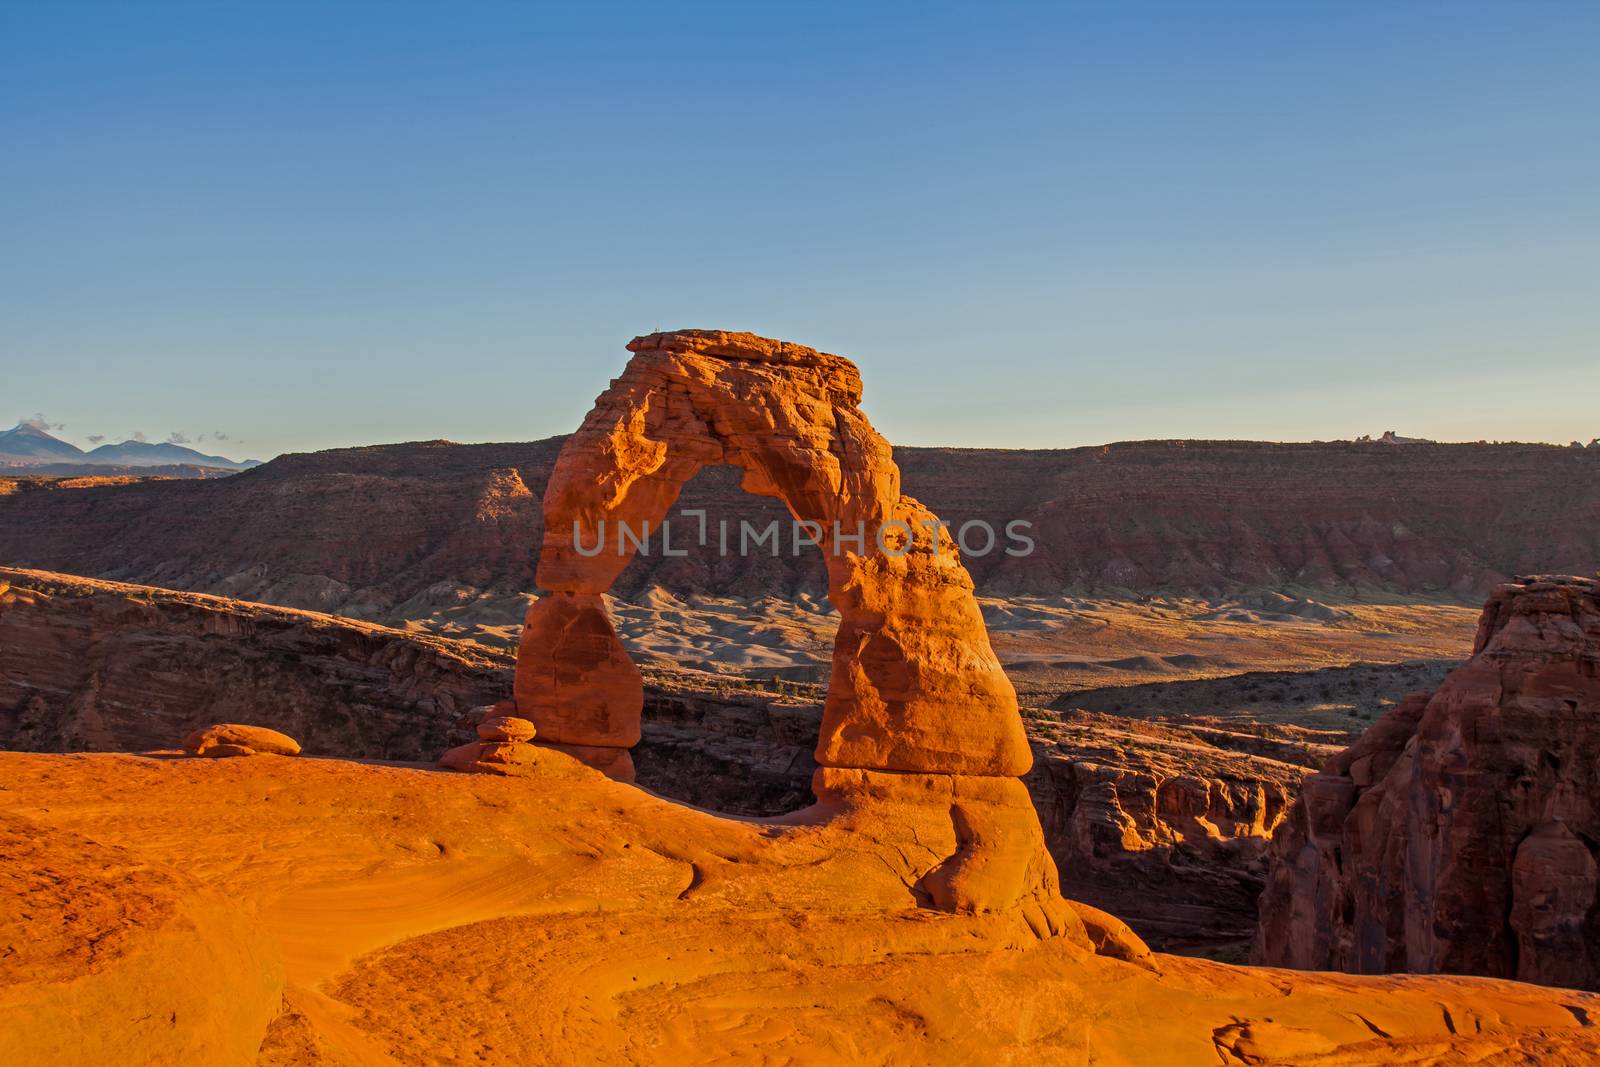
column 504, row 745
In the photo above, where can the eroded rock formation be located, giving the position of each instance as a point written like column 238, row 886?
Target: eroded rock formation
column 1159, row 827
column 1458, row 834
column 918, row 710
column 915, row 685
column 574, row 678
column 235, row 739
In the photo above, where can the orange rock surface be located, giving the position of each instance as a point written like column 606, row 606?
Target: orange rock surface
column 915, row 684
column 574, row 678
column 918, row 710
column 233, row 739
column 291, row 912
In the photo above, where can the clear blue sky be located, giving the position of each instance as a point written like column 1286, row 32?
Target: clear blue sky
column 320, row 224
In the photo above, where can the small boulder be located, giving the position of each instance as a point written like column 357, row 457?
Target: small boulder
column 506, row 758
column 234, row 739
column 1112, row 937
column 506, row 728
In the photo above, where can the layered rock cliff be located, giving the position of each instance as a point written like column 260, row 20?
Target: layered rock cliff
column 1158, row 827
column 398, row 532
column 88, row 665
column 1459, row 833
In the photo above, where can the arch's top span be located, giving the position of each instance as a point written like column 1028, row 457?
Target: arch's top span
column 915, row 684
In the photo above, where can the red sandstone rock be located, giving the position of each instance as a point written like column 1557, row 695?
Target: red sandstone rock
column 920, row 726
column 1457, row 835
column 506, row 758
column 232, row 739
column 506, row 728
column 574, row 678
column 915, row 685
column 612, row 762
column 1111, row 936
column 995, row 859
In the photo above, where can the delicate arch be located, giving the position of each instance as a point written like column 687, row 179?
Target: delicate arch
column 915, row 684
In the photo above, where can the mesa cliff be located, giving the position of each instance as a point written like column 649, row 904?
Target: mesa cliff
column 399, row 532
column 1458, row 834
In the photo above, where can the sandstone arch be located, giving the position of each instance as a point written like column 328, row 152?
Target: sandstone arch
column 915, row 685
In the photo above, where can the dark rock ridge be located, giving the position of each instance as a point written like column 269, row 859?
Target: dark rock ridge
column 363, row 531
column 89, row 665
column 1459, row 834
column 1326, row 705
column 101, row 666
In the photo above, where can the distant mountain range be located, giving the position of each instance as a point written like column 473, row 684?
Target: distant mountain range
column 28, row 445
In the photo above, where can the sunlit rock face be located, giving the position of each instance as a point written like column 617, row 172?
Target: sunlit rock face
column 1458, row 834
column 917, row 700
column 915, row 685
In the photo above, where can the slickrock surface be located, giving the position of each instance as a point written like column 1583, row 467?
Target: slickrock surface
column 293, row 911
column 1164, row 826
column 915, row 685
column 102, row 665
column 1458, row 834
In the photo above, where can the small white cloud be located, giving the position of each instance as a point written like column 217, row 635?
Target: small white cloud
column 96, row 438
column 138, row 435
column 39, row 422
column 177, row 437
